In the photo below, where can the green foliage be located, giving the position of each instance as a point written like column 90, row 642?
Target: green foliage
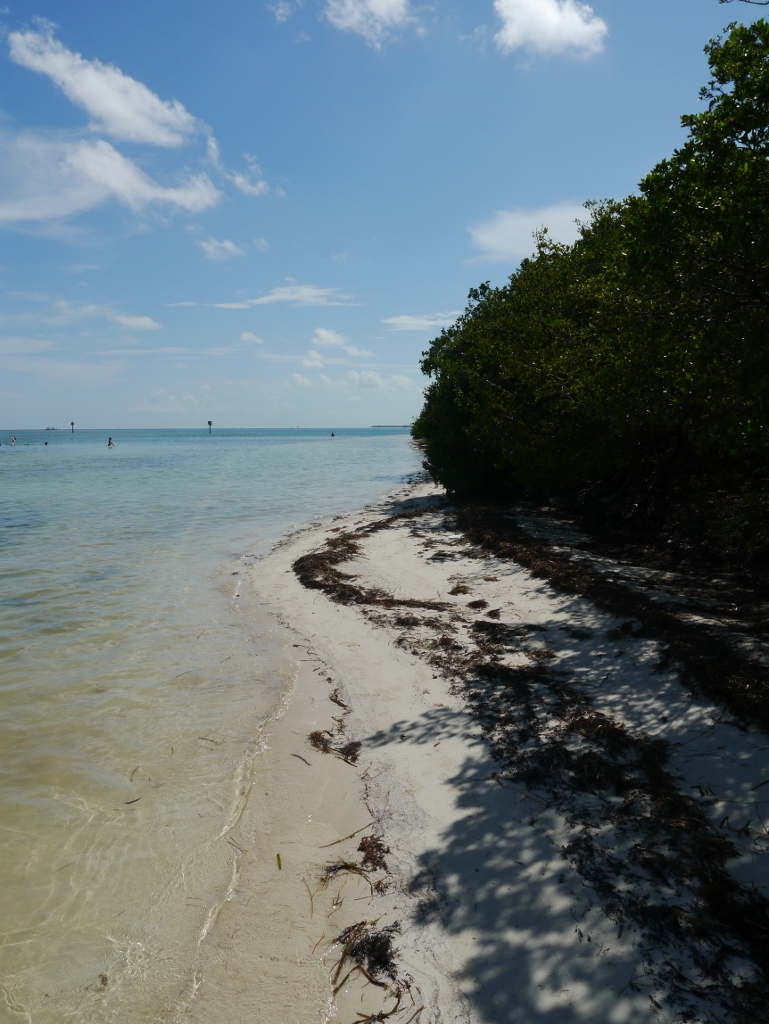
column 645, row 342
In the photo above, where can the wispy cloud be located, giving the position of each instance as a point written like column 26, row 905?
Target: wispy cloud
column 326, row 338
column 371, row 379
column 137, row 323
column 375, row 20
column 171, row 350
column 550, row 26
column 117, row 104
column 167, row 403
column 61, row 369
column 46, row 178
column 84, row 268
column 508, row 235
column 251, row 183
column 246, row 341
column 427, row 322
column 295, row 294
column 23, row 346
column 356, row 381
column 303, row 295
column 216, row 249
column 283, row 9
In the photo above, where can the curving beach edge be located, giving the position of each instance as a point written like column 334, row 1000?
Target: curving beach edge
column 484, row 798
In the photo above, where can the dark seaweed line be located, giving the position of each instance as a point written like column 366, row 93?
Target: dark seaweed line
column 714, row 918
column 709, row 666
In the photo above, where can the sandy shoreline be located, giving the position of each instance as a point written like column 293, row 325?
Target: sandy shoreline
column 491, row 898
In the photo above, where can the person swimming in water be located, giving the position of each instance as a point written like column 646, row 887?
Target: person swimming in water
column 110, row 443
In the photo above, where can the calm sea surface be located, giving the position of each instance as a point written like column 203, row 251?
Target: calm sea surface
column 134, row 673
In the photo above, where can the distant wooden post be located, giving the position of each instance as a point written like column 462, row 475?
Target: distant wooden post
column 72, row 424
column 210, row 424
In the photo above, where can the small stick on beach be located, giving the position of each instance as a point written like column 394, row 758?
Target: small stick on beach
column 345, row 838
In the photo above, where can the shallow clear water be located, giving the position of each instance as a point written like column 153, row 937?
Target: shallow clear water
column 134, row 674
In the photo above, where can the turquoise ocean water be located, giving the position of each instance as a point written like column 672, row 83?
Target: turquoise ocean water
column 134, row 673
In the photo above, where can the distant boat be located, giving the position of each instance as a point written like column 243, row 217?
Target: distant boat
column 51, row 428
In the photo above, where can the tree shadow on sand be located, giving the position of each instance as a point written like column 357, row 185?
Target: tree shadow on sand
column 583, row 882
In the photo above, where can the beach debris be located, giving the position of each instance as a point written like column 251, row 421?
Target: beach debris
column 322, row 741
column 280, row 865
column 302, row 758
column 338, row 700
column 407, row 620
column 371, row 950
column 352, row 835
column 332, row 871
column 460, row 588
column 350, row 751
column 649, row 854
column 312, row 904
column 318, row 569
column 374, row 851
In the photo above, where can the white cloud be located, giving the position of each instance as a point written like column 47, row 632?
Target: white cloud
column 372, row 19
column 302, row 295
column 250, row 338
column 216, row 249
column 44, row 178
column 401, row 383
column 355, row 381
column 169, row 351
column 371, row 379
column 296, row 294
column 508, row 236
column 549, row 26
column 247, row 185
column 250, row 184
column 117, row 104
column 312, row 361
column 428, row 322
column 282, row 10
column 261, row 243
column 137, row 323
column 326, row 338
column 64, row 311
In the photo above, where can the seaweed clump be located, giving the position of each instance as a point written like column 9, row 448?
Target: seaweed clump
column 374, row 851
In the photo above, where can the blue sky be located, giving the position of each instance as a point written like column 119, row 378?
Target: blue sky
column 261, row 213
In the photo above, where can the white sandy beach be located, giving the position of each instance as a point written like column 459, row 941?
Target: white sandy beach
column 495, row 922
